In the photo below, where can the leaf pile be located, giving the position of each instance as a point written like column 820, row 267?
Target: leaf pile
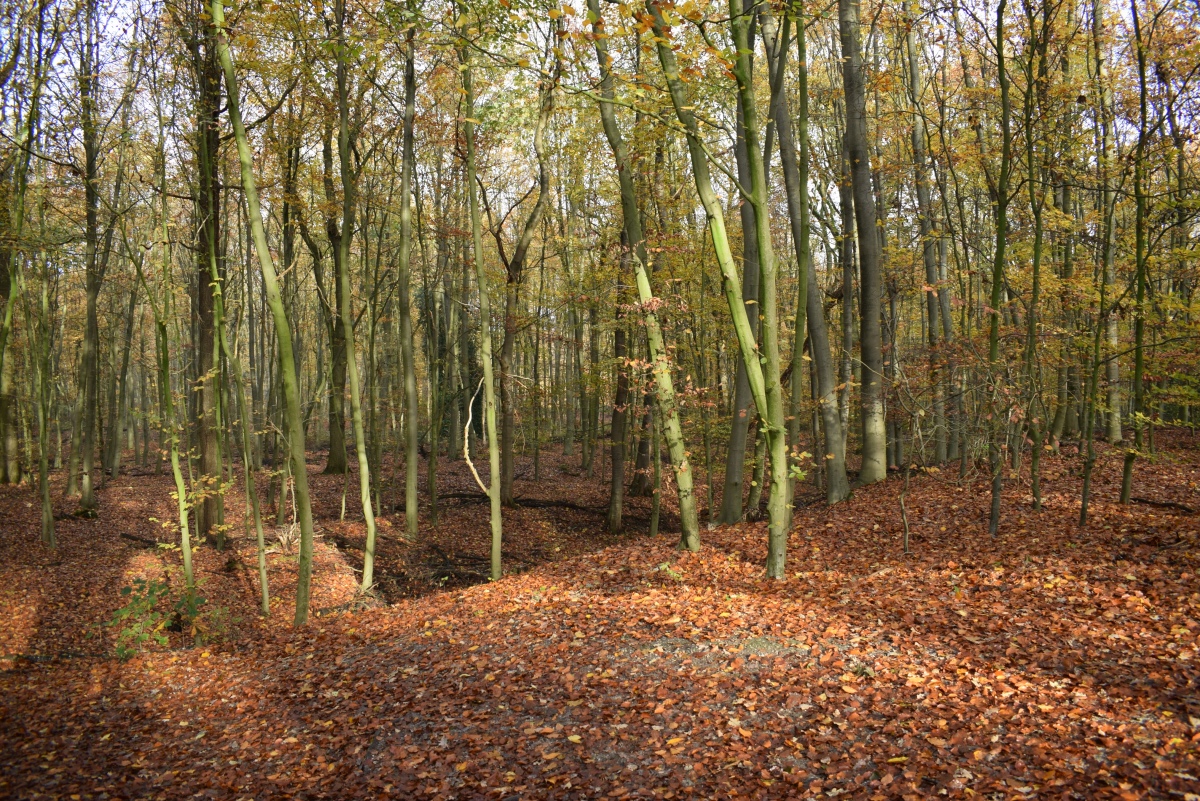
column 1050, row 662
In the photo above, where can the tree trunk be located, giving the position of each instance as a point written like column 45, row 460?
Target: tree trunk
column 763, row 375
column 1141, row 201
column 346, row 143
column 485, row 325
column 290, row 384
column 338, row 461
column 117, row 413
column 929, row 237
column 874, row 444
column 209, row 510
column 620, row 411
column 810, row 315
column 739, row 425
column 514, row 269
column 999, row 411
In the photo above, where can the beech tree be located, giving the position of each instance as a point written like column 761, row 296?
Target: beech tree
column 802, row 250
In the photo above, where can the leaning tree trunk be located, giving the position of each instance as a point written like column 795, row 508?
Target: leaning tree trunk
column 661, row 366
column 283, row 333
column 763, row 373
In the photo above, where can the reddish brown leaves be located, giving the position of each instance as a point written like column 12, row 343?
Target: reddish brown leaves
column 1049, row 662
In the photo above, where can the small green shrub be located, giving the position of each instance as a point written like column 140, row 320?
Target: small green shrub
column 138, row 620
column 215, row 625
column 187, row 614
column 665, row 567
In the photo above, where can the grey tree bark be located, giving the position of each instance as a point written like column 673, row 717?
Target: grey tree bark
column 874, row 443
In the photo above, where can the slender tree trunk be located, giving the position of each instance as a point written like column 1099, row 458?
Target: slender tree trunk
column 764, row 383
column 508, row 399
column 75, row 460
column 848, row 253
column 338, row 461
column 11, row 256
column 929, row 236
column 620, row 413
column 999, row 409
column 95, row 263
column 1035, row 101
column 590, row 401
column 874, row 444
column 163, row 314
column 739, row 425
column 290, row 384
column 244, row 430
column 44, row 344
column 346, row 144
column 1141, row 256
column 810, row 316
column 117, row 410
column 660, row 364
column 485, row 325
column 411, row 412
column 515, row 268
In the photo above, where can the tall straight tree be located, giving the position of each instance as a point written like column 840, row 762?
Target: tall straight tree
column 207, row 217
column 929, row 236
column 485, row 325
column 346, row 146
column 403, row 259
column 739, row 425
column 1000, row 200
column 874, row 428
column 771, row 415
column 41, row 48
column 1112, row 321
column 1141, row 256
column 810, row 315
column 620, row 409
column 337, row 463
column 95, row 255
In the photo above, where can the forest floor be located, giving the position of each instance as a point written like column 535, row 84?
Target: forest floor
column 1047, row 662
